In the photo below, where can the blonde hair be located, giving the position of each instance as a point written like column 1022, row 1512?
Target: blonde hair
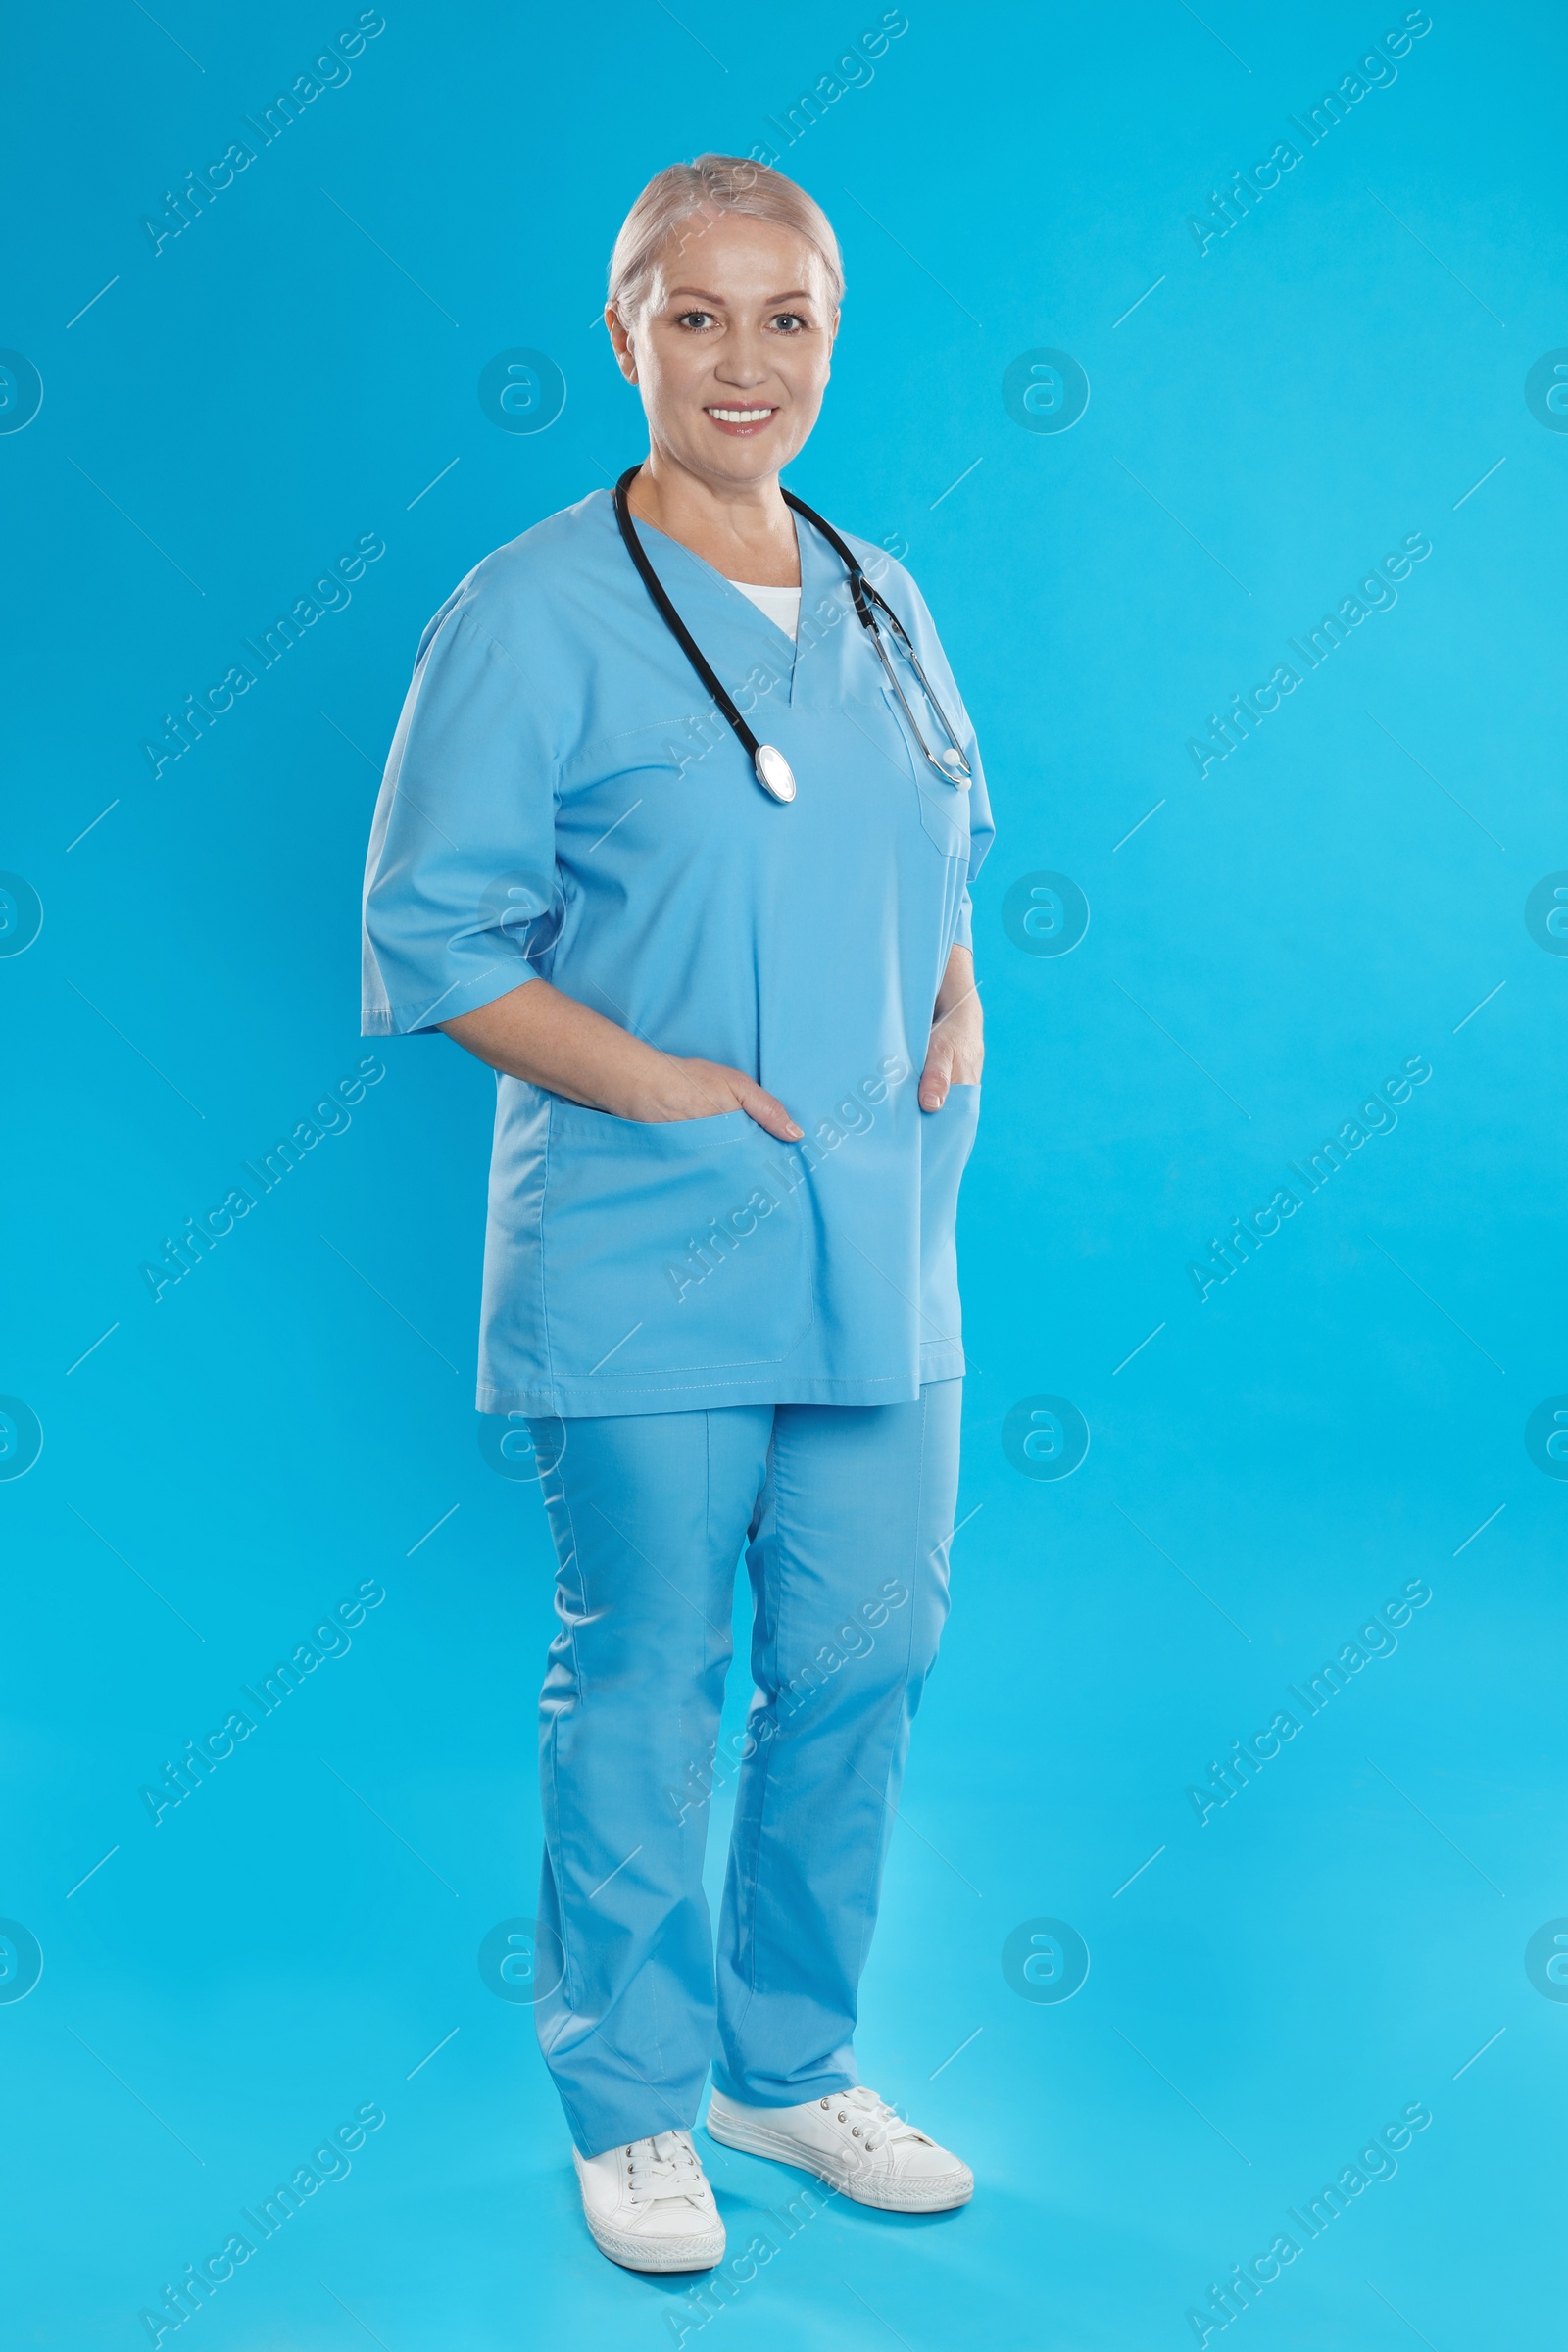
column 713, row 184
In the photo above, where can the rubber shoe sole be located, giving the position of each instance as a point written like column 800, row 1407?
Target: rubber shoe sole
column 939, row 2194
column 637, row 2253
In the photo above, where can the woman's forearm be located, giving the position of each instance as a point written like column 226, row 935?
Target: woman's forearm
column 539, row 1034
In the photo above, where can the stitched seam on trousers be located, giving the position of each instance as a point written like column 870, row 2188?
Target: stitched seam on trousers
column 871, row 1906
column 755, row 1769
column 901, row 1720
column 573, row 1973
column 918, row 1532
column 709, row 1762
column 576, row 2121
column 776, row 1662
column 573, row 1983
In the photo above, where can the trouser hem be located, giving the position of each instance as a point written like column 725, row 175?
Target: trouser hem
column 773, row 2095
column 616, row 2130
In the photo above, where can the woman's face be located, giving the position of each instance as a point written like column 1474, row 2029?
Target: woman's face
column 730, row 350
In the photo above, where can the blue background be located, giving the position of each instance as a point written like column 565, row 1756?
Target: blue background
column 224, row 421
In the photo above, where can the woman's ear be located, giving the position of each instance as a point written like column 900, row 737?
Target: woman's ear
column 621, row 341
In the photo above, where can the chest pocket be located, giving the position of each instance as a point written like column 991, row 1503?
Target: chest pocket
column 944, row 810
column 649, row 787
column 666, row 747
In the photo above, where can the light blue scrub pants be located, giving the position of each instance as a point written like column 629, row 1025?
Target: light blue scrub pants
column 847, row 1513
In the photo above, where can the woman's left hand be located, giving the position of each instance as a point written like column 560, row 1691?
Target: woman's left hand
column 956, row 1049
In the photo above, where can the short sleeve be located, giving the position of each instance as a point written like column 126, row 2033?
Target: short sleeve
column 462, row 898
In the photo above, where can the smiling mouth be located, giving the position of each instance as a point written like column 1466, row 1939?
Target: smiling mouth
column 737, row 419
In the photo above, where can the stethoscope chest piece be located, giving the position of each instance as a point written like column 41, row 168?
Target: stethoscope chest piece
column 774, row 772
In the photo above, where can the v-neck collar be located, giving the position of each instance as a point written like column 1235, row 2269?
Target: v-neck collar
column 815, row 557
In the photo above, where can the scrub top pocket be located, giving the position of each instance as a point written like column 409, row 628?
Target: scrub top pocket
column 669, row 1247
column 944, row 809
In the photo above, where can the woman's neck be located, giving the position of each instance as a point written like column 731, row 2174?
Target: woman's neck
column 745, row 531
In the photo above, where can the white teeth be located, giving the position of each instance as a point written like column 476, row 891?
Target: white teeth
column 740, row 416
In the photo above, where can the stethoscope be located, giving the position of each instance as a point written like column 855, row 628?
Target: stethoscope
column 772, row 770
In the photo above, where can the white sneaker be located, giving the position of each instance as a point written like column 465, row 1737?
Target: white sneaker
column 855, row 2141
column 648, row 2205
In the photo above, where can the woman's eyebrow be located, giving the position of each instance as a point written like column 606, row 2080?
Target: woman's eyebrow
column 699, row 294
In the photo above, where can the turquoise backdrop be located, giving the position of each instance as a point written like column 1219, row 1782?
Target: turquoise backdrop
column 1212, row 371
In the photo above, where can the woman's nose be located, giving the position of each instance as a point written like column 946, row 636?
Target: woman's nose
column 742, row 363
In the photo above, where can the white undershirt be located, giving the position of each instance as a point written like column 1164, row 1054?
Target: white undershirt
column 782, row 606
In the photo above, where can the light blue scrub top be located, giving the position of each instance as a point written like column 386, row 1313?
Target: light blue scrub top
column 561, row 802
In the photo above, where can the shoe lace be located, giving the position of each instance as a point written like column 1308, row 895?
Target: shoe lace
column 663, row 2165
column 878, row 2124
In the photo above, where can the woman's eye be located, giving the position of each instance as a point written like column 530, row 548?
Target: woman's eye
column 694, row 319
column 789, row 320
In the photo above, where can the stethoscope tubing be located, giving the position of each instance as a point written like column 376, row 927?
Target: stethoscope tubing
column 867, row 604
column 672, row 619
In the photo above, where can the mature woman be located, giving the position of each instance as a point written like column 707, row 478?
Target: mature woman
column 675, row 835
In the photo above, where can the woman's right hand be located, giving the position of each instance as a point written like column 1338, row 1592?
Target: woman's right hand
column 537, row 1033
column 706, row 1089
